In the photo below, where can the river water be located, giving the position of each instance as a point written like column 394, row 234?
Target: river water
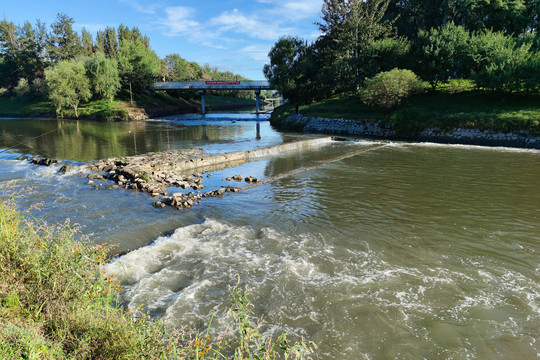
column 402, row 251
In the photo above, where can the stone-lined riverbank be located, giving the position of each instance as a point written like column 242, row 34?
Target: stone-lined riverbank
column 381, row 129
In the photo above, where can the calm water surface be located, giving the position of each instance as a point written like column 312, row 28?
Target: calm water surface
column 404, row 251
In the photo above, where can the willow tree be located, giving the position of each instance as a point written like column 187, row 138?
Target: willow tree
column 68, row 85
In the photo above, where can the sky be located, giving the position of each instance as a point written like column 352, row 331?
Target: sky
column 234, row 35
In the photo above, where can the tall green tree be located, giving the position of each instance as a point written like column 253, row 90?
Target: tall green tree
column 138, row 66
column 352, row 24
column 22, row 51
column 87, row 42
column 107, row 42
column 287, row 69
column 103, row 75
column 348, row 27
column 64, row 42
column 68, row 84
column 442, row 54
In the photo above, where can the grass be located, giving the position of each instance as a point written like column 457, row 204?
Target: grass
column 25, row 106
column 39, row 106
column 56, row 303
column 452, row 105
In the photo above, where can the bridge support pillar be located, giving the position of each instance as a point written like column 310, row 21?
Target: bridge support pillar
column 258, row 100
column 203, row 107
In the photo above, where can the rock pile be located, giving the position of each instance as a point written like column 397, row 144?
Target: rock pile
column 42, row 161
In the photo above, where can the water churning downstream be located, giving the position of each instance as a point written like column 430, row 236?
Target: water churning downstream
column 403, row 251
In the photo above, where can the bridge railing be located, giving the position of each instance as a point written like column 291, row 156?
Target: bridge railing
column 213, row 85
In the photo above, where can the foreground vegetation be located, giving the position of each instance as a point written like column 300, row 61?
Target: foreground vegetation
column 56, row 303
column 450, row 106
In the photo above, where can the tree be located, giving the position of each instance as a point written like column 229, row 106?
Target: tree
column 384, row 55
column 107, row 42
column 287, row 69
column 138, row 66
column 68, row 85
column 179, row 69
column 348, row 27
column 87, row 43
column 352, row 24
column 103, row 75
column 441, row 53
column 500, row 62
column 22, row 51
column 64, row 43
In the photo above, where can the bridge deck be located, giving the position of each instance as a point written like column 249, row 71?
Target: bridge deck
column 213, row 85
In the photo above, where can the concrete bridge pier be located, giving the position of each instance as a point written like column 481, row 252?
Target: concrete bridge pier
column 203, row 109
column 258, row 100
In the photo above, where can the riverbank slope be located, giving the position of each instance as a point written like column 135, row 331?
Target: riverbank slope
column 146, row 106
column 471, row 117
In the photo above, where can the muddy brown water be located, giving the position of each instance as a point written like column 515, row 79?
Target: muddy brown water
column 404, row 251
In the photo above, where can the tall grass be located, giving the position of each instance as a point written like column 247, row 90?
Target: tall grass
column 56, row 303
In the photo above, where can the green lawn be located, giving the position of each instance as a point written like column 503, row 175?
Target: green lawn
column 25, row 106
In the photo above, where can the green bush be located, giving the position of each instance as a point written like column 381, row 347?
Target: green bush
column 388, row 89
column 499, row 62
column 22, row 87
column 441, row 54
column 383, row 55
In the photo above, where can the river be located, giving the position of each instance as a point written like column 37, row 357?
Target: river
column 402, row 251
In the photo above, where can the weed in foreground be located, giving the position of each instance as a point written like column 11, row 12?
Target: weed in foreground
column 55, row 303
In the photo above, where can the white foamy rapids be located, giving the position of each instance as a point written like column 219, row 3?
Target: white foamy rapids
column 477, row 147
column 306, row 285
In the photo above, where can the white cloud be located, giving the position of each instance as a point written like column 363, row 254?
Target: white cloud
column 256, row 52
column 178, row 20
column 250, row 25
column 150, row 8
column 296, row 9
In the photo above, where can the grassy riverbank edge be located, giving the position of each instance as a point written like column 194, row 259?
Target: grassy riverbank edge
column 442, row 110
column 158, row 104
column 56, row 302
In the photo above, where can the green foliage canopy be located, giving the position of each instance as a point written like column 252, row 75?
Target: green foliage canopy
column 68, row 84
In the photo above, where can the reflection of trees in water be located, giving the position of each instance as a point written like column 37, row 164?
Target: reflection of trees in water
column 89, row 140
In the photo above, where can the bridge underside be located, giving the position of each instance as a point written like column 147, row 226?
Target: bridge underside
column 203, row 86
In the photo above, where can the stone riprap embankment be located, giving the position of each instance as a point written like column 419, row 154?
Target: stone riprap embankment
column 348, row 127
column 380, row 129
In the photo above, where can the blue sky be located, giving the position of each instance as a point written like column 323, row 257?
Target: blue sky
column 233, row 35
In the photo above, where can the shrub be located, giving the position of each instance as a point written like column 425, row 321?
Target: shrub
column 441, row 53
column 383, row 55
column 39, row 86
column 22, row 87
column 499, row 61
column 388, row 89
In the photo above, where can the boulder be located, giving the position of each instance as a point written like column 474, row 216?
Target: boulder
column 64, row 169
column 251, row 179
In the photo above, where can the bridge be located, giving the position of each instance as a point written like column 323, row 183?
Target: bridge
column 203, row 86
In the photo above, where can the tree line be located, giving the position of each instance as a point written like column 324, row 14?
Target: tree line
column 71, row 68
column 494, row 43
